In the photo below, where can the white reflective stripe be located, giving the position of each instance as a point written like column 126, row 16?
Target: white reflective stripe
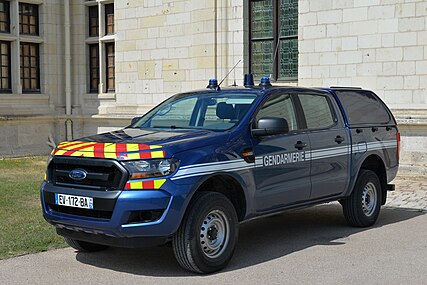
column 379, row 145
column 213, row 163
column 332, row 149
column 210, row 172
column 326, row 155
column 336, row 151
column 209, row 168
column 381, row 148
column 382, row 145
column 240, row 164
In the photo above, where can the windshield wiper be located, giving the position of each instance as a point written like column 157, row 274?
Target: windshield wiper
column 169, row 127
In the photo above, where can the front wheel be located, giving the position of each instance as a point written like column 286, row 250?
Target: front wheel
column 362, row 207
column 207, row 236
column 84, row 246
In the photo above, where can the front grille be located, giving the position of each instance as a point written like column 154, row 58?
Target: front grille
column 81, row 212
column 102, row 174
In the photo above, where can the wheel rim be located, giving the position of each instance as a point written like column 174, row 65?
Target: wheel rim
column 214, row 233
column 369, row 199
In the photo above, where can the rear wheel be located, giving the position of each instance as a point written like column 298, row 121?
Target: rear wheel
column 362, row 207
column 207, row 236
column 84, row 246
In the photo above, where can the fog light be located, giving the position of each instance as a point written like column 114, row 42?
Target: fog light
column 145, row 216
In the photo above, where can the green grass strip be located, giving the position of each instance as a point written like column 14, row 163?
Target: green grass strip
column 22, row 227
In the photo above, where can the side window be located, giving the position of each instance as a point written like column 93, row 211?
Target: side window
column 280, row 106
column 317, row 111
column 363, row 107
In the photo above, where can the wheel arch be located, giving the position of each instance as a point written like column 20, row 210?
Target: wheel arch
column 376, row 164
column 230, row 187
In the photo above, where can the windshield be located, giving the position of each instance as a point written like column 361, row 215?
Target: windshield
column 199, row 111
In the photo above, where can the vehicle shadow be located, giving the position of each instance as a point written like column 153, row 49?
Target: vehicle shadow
column 260, row 240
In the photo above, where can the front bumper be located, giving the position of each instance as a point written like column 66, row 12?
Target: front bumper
column 133, row 242
column 112, row 224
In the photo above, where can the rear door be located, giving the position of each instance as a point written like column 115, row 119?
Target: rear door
column 282, row 172
column 330, row 144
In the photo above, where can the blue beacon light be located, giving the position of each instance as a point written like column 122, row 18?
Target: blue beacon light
column 213, row 84
column 265, row 82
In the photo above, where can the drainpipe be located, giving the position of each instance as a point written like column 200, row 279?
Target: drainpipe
column 68, row 111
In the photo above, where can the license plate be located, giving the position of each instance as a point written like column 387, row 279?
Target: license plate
column 74, row 201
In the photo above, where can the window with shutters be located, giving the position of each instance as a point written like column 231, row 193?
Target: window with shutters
column 273, row 39
column 110, row 57
column 4, row 17
column 93, row 21
column 20, row 46
column 30, row 70
column 28, row 19
column 109, row 19
column 101, row 47
column 5, row 78
column 94, row 67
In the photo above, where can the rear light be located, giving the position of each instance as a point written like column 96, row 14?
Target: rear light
column 398, row 145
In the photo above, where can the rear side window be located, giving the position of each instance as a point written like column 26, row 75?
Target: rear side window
column 363, row 107
column 317, row 111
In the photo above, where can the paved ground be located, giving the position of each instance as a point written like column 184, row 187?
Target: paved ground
column 410, row 194
column 309, row 246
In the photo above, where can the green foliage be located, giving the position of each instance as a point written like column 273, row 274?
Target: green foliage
column 22, row 227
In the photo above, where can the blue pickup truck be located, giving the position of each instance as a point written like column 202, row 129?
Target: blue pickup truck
column 194, row 167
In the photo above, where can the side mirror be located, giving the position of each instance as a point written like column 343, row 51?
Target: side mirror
column 134, row 120
column 268, row 126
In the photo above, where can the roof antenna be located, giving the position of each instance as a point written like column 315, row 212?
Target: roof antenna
column 228, row 75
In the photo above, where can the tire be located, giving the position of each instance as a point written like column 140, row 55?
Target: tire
column 84, row 246
column 205, row 241
column 362, row 207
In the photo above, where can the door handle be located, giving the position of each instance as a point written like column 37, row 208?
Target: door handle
column 300, row 145
column 339, row 139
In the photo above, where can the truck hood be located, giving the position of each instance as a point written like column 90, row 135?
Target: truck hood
column 139, row 144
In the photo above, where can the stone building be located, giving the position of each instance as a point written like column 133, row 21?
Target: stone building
column 70, row 68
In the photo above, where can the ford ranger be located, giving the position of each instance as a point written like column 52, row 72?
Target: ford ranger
column 194, row 167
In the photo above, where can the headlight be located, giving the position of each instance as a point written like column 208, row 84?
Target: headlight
column 150, row 168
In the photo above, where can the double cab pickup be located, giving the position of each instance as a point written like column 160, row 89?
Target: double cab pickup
column 194, row 167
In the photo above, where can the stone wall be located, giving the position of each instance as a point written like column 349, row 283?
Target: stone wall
column 375, row 44
column 28, row 120
column 166, row 47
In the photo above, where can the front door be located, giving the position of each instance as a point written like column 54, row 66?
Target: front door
column 282, row 172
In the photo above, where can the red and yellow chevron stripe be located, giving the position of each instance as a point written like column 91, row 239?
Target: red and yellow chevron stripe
column 119, row 151
column 138, row 184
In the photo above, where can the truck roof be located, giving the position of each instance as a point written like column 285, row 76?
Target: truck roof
column 259, row 90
